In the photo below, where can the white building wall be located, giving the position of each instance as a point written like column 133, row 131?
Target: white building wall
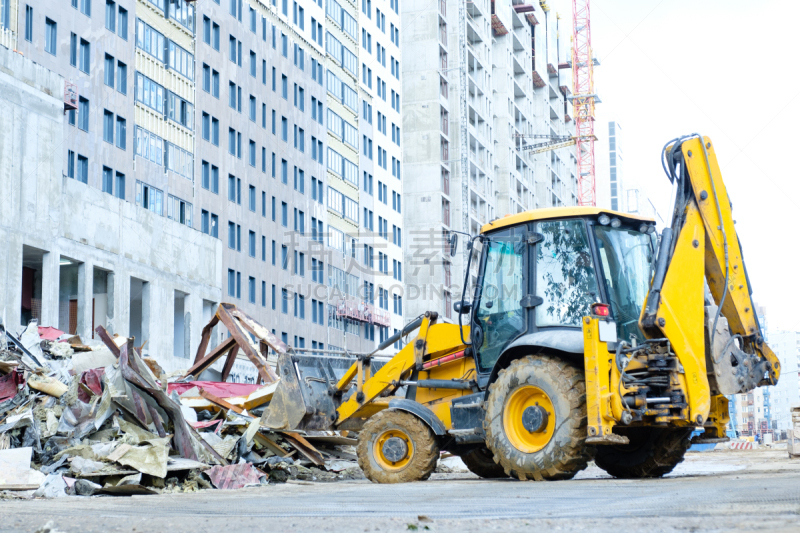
column 505, row 71
column 72, row 231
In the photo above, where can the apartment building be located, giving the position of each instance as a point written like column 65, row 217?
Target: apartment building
column 482, row 81
column 753, row 412
column 252, row 123
column 786, row 345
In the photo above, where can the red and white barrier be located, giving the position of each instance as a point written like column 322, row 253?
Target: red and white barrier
column 742, row 445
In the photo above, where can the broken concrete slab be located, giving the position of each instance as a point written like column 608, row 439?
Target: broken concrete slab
column 15, row 468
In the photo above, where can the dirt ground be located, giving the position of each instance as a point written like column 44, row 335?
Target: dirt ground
column 711, row 491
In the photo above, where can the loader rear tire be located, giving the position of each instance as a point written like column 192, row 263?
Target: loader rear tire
column 410, row 456
column 555, row 450
column 480, row 462
column 652, row 452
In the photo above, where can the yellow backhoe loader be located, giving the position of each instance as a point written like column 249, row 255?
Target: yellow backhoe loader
column 589, row 337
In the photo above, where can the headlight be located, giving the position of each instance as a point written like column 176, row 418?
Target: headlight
column 643, row 228
column 651, row 229
column 604, row 220
column 615, row 222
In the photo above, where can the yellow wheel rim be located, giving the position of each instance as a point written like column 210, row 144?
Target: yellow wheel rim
column 518, row 401
column 378, row 450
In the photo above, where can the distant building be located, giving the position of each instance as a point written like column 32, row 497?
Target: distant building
column 639, row 204
column 481, row 81
column 618, row 199
column 786, row 345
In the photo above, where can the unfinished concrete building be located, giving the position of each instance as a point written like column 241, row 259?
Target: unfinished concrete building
column 75, row 257
column 482, row 81
column 250, row 122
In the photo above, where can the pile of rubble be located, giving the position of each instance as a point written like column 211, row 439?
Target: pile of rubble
column 98, row 418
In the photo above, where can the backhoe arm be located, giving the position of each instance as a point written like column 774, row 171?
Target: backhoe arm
column 702, row 246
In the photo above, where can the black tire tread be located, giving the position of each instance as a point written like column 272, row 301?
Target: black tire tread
column 553, row 462
column 480, row 461
column 663, row 450
column 426, row 449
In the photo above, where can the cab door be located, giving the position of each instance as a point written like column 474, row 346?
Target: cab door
column 503, row 282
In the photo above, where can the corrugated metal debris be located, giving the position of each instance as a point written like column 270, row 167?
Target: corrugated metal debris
column 97, row 418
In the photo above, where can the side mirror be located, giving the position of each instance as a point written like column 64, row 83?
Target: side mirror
column 462, row 309
column 453, row 244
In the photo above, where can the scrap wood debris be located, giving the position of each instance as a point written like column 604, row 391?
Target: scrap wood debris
column 96, row 418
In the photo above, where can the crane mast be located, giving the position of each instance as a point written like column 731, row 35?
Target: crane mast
column 583, row 100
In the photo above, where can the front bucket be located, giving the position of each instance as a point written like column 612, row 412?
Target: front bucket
column 304, row 398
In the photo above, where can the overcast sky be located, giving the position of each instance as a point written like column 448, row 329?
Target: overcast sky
column 726, row 69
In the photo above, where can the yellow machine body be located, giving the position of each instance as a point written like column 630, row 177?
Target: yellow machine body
column 703, row 251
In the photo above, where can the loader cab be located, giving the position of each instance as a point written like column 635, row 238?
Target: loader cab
column 541, row 271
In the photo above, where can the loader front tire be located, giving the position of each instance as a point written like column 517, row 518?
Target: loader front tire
column 396, row 447
column 536, row 419
column 480, row 461
column 652, row 452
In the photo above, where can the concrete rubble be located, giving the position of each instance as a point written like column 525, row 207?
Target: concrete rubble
column 83, row 418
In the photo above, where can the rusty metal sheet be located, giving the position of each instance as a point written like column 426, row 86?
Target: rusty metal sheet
column 219, row 401
column 128, row 361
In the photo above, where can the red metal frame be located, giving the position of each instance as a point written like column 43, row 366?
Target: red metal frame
column 583, row 100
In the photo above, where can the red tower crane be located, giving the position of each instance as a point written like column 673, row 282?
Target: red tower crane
column 583, row 100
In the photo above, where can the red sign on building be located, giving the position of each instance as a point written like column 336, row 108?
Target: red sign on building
column 70, row 96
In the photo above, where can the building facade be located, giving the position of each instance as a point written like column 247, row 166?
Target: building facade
column 481, row 81
column 253, row 123
column 618, row 193
column 76, row 257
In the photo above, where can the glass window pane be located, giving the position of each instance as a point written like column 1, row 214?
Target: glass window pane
column 565, row 275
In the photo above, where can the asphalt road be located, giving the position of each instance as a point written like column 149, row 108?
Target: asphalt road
column 718, row 491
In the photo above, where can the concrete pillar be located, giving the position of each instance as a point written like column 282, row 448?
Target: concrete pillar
column 149, row 310
column 51, row 275
column 194, row 323
column 111, row 311
column 122, row 301
column 11, row 281
column 85, row 298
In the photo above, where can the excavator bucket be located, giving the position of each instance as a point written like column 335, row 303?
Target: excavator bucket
column 305, row 395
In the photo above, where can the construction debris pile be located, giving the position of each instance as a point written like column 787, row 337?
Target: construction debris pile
column 86, row 418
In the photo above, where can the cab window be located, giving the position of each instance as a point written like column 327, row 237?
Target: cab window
column 565, row 275
column 500, row 316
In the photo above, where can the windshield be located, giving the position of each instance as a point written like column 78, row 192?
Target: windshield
column 627, row 259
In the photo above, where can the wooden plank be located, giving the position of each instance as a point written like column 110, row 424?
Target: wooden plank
column 270, row 445
column 260, row 332
column 226, row 370
column 204, row 338
column 18, row 487
column 209, row 360
column 219, row 401
column 106, row 338
column 238, row 333
column 304, row 447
